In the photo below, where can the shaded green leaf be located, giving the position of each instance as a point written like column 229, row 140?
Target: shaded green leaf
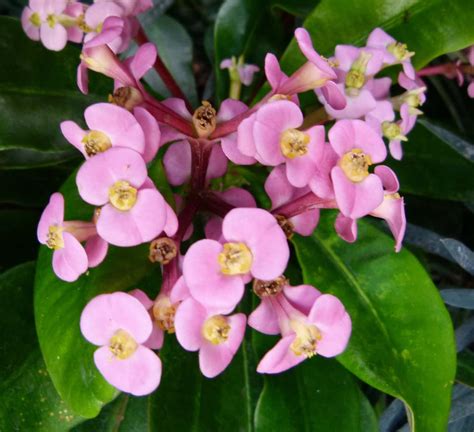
column 465, row 370
column 402, row 340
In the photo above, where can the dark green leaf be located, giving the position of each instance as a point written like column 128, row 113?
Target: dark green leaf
column 430, row 167
column 402, row 340
column 458, row 297
column 28, row 399
column 37, row 91
column 465, row 370
column 58, row 306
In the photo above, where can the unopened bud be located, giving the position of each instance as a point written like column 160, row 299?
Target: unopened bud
column 269, row 288
column 204, row 120
column 162, row 250
column 126, row 97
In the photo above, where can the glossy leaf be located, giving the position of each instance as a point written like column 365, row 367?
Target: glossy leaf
column 58, row 306
column 37, row 91
column 460, row 253
column 431, row 167
column 458, row 297
column 402, row 338
column 465, row 370
column 28, row 399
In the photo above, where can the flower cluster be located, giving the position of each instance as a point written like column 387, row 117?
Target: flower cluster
column 309, row 169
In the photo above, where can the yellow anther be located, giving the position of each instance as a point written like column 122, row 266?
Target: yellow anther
column 122, row 345
column 294, row 143
column 96, row 142
column 122, row 195
column 235, row 259
column 393, row 131
column 164, row 312
column 355, row 165
column 306, row 340
column 35, row 19
column 54, row 238
column 216, row 329
column 51, row 20
column 399, row 51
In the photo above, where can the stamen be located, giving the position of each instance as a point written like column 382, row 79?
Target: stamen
column 81, row 23
column 399, row 51
column 355, row 78
column 294, row 143
column 278, row 97
column 35, row 19
column 162, row 250
column 122, row 195
column 235, row 259
column 126, row 97
column 122, row 345
column 204, row 119
column 51, row 20
column 306, row 340
column 355, row 165
column 269, row 288
column 96, row 142
column 216, row 329
column 286, row 225
column 54, row 238
column 393, row 131
column 164, row 312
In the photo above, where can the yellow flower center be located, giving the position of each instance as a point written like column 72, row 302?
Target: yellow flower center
column 122, row 345
column 216, row 329
column 96, row 142
column 399, row 51
column 278, row 97
column 306, row 340
column 355, row 165
column 51, row 20
column 355, row 79
column 81, row 23
column 235, row 259
column 54, row 238
column 35, row 19
column 294, row 143
column 122, row 195
column 393, row 131
column 164, row 312
column 205, row 119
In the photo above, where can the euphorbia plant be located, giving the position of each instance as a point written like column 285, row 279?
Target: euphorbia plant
column 214, row 242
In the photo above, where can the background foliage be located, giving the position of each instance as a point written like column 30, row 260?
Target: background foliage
column 401, row 354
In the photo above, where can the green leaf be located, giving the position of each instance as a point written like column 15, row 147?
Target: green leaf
column 58, row 306
column 28, row 399
column 431, row 167
column 429, row 27
column 38, row 90
column 402, row 339
column 318, row 395
column 465, row 370
column 175, row 48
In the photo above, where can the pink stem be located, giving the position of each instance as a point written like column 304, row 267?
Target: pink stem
column 303, row 204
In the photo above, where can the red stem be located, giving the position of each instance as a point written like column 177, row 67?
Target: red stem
column 304, row 203
column 141, row 38
column 214, row 204
column 169, row 117
column 447, row 69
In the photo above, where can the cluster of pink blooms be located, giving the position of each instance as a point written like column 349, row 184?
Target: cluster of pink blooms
column 309, row 170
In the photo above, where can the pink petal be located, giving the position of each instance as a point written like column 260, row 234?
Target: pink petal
column 213, row 229
column 142, row 298
column 142, row 223
column 334, row 96
column 53, row 38
column 70, row 261
column 273, row 72
column 356, row 199
column 226, row 63
column 118, row 124
column 280, row 358
column 53, row 214
column 140, row 374
column 264, row 318
column 151, row 131
column 245, row 139
column 238, row 197
column 107, row 313
column 143, row 60
column 177, row 163
column 229, row 109
column 259, row 230
column 278, row 188
column 393, row 211
column 99, row 173
column 178, row 106
column 188, row 322
column 82, row 78
column 331, row 318
column 379, row 87
column 156, row 339
column 346, row 228
column 396, row 149
column 379, row 39
column 305, row 223
column 300, row 170
column 388, row 177
column 356, row 106
column 213, row 359
column 217, row 163
column 207, row 284
column 96, row 250
column 180, row 291
column 171, row 221
column 74, row 134
column 231, row 150
column 97, row 13
column 31, row 30
column 301, row 297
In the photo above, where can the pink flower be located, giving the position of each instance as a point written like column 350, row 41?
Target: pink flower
column 324, row 330
column 112, row 126
column 69, row 257
column 44, row 20
column 217, row 337
column 271, row 136
column 75, row 11
column 358, row 146
column 119, row 324
column 392, row 210
column 281, row 192
column 414, row 97
column 244, row 71
column 393, row 52
column 132, row 212
column 255, row 246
